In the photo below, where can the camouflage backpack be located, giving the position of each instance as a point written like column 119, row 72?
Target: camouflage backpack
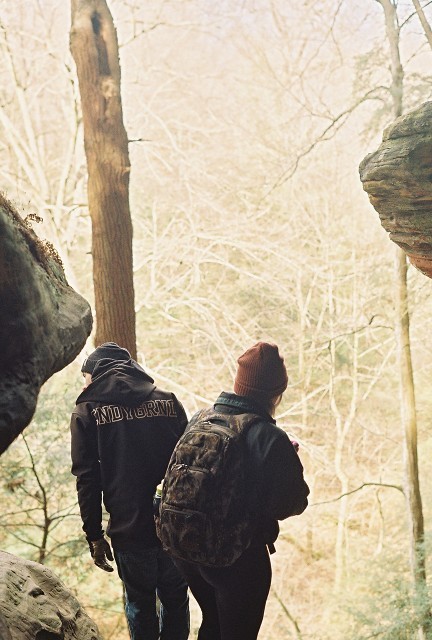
column 204, row 516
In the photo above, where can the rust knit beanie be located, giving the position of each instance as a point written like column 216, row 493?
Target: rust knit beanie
column 261, row 372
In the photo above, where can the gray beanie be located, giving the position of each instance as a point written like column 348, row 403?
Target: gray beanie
column 106, row 350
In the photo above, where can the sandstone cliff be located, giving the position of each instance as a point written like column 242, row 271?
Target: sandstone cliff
column 44, row 323
column 398, row 180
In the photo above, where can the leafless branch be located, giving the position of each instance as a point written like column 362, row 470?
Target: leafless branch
column 365, row 484
column 334, row 126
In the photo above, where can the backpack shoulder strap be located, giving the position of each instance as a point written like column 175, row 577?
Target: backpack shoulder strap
column 241, row 422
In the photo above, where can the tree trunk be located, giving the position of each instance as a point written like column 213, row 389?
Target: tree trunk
column 407, row 395
column 423, row 20
column 409, row 420
column 94, row 47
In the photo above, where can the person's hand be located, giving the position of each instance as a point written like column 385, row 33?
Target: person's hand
column 295, row 444
column 100, row 550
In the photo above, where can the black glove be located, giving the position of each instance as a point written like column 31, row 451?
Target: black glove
column 100, row 551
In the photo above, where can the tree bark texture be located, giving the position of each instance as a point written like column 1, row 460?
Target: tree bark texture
column 94, row 47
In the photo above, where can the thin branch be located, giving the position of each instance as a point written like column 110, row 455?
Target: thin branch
column 365, row 484
column 323, row 137
column 287, row 613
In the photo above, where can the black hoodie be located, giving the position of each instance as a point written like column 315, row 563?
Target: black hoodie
column 123, row 432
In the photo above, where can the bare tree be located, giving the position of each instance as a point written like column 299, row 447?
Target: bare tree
column 94, row 47
column 407, row 391
column 50, row 178
column 37, row 506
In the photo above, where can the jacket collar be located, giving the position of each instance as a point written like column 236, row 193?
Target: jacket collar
column 232, row 403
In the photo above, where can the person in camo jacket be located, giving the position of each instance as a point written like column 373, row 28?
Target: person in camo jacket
column 123, row 432
column 233, row 598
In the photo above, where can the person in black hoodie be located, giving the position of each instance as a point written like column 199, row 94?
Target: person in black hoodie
column 233, row 598
column 123, row 431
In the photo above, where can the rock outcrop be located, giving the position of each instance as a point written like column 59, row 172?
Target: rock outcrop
column 35, row 605
column 44, row 323
column 398, row 180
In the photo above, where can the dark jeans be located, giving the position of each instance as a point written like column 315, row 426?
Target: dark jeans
column 232, row 599
column 146, row 573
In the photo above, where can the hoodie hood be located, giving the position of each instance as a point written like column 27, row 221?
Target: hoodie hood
column 118, row 382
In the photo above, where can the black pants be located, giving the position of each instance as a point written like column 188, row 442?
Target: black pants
column 144, row 574
column 232, row 599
